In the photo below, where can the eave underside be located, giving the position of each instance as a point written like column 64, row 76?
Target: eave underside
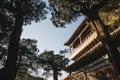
column 98, row 52
column 86, row 60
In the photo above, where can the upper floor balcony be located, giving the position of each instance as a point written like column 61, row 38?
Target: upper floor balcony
column 83, row 44
column 90, row 39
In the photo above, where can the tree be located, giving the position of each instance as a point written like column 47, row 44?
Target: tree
column 23, row 12
column 27, row 57
column 29, row 77
column 55, row 62
column 111, row 18
column 6, row 24
column 3, row 51
column 66, row 11
column 6, row 27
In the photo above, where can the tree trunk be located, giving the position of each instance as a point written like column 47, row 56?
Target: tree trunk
column 55, row 75
column 10, row 66
column 104, row 35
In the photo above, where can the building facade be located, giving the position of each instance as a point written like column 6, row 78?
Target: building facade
column 89, row 55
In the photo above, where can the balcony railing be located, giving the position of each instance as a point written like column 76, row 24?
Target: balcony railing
column 86, row 41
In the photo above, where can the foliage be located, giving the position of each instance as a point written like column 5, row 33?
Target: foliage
column 110, row 13
column 112, row 5
column 52, row 62
column 66, row 11
column 22, row 13
column 3, row 51
column 6, row 24
column 111, row 18
column 32, row 10
column 27, row 56
column 29, row 77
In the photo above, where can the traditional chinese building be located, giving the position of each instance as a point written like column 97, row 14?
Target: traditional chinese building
column 90, row 59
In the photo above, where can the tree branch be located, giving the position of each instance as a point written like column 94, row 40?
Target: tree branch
column 100, row 5
column 83, row 7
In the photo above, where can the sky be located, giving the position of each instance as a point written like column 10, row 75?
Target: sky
column 48, row 36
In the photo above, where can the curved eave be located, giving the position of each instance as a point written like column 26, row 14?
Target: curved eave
column 76, row 33
column 93, row 55
column 115, row 36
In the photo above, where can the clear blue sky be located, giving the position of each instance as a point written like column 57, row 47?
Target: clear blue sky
column 48, row 36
